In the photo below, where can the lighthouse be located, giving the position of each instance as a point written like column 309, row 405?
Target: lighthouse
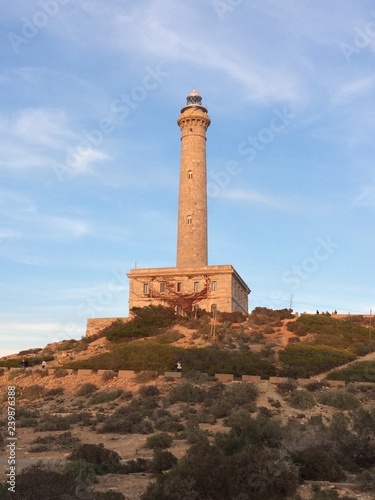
column 192, row 283
column 192, row 203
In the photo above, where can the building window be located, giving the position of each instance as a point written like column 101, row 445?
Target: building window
column 146, row 288
column 162, row 287
column 214, row 286
column 189, row 219
column 196, row 286
column 190, row 174
column 179, row 287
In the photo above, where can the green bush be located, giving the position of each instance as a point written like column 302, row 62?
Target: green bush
column 62, row 441
column 86, row 389
column 51, row 482
column 101, row 397
column 302, row 400
column 302, row 360
column 360, row 371
column 341, row 400
column 163, row 460
column 264, row 315
column 185, row 393
column 131, row 419
column 33, row 392
column 108, row 375
column 146, row 321
column 317, row 463
column 161, row 440
column 54, row 423
column 104, row 461
column 333, row 332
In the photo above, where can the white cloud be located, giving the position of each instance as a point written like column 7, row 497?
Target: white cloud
column 256, row 198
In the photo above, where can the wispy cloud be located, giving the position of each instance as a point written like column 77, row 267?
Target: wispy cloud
column 257, row 198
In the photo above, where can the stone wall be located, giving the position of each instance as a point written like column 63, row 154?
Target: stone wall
column 95, row 325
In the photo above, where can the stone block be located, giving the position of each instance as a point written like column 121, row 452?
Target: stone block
column 126, row 373
column 224, row 377
column 84, row 372
column 251, row 378
column 278, row 380
column 173, row 374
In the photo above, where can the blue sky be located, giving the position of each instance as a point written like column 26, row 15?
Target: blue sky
column 89, row 163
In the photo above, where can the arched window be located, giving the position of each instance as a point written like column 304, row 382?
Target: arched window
column 190, row 174
column 189, row 219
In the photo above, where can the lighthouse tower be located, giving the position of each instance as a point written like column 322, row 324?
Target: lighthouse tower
column 192, row 206
column 192, row 283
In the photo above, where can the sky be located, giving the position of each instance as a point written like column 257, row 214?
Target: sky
column 90, row 92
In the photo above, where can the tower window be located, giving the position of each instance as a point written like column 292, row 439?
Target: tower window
column 214, row 286
column 189, row 219
column 146, row 288
column 196, row 286
column 179, row 287
column 162, row 287
column 190, row 174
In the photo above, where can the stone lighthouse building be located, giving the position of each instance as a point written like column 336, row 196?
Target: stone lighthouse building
column 192, row 283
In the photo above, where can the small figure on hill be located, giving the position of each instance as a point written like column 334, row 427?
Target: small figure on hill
column 44, row 364
column 178, row 367
column 24, row 364
column 317, row 312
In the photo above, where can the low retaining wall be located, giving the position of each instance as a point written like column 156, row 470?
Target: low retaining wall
column 95, row 325
column 221, row 377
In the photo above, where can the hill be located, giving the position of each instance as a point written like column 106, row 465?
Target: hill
column 113, row 437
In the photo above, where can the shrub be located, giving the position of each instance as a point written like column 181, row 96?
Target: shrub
column 163, row 460
column 318, row 464
column 302, row 400
column 62, row 441
column 161, row 440
column 196, row 377
column 146, row 321
column 149, row 390
column 339, row 399
column 86, row 389
column 287, row 388
column 44, row 481
column 302, row 360
column 61, row 373
column 55, row 391
column 240, row 394
column 131, row 419
column 231, row 317
column 104, row 461
column 54, row 423
column 360, row 371
column 101, row 397
column 108, row 375
column 316, row 386
column 33, row 392
column 185, row 393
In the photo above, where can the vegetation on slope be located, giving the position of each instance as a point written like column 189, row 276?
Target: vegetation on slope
column 151, row 355
column 334, row 332
column 303, row 360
